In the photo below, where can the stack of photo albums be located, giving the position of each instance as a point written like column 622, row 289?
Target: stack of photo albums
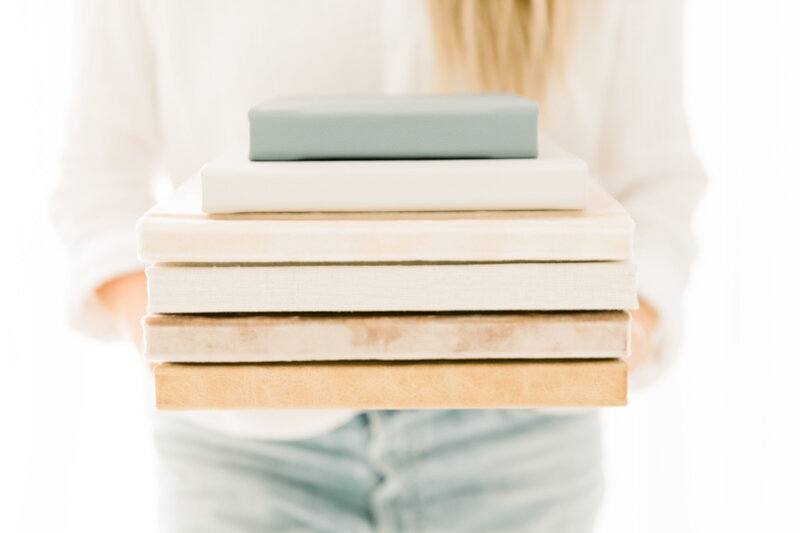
column 390, row 252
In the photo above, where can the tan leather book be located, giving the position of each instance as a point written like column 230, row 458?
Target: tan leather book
column 390, row 336
column 392, row 385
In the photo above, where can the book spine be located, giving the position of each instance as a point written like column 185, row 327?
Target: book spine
column 397, row 385
column 404, row 287
column 288, row 136
column 192, row 338
column 243, row 241
column 391, row 186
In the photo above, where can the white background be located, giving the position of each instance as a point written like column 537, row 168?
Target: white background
column 713, row 447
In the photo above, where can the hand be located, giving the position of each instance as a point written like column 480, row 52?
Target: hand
column 126, row 298
column 644, row 323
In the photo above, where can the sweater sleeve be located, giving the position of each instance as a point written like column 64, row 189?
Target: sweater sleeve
column 111, row 155
column 648, row 163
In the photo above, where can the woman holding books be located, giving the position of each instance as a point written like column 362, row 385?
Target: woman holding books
column 162, row 87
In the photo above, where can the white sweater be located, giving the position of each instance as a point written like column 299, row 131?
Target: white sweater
column 162, row 87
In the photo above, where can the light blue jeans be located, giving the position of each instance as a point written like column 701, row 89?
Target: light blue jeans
column 389, row 471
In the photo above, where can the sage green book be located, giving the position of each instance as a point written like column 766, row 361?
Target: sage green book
column 445, row 126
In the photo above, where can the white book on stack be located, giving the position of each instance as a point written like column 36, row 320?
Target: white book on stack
column 553, row 180
column 528, row 286
column 177, row 230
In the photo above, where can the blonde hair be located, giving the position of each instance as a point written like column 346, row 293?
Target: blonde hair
column 502, row 45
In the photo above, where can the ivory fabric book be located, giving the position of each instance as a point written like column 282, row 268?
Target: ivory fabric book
column 177, row 230
column 392, row 385
column 554, row 180
column 432, row 126
column 189, row 288
column 396, row 336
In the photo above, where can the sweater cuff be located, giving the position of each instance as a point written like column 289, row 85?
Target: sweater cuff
column 659, row 285
column 103, row 258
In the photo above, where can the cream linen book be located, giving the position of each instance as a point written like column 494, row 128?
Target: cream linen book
column 178, row 231
column 599, row 285
column 392, row 385
column 554, row 180
column 402, row 336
